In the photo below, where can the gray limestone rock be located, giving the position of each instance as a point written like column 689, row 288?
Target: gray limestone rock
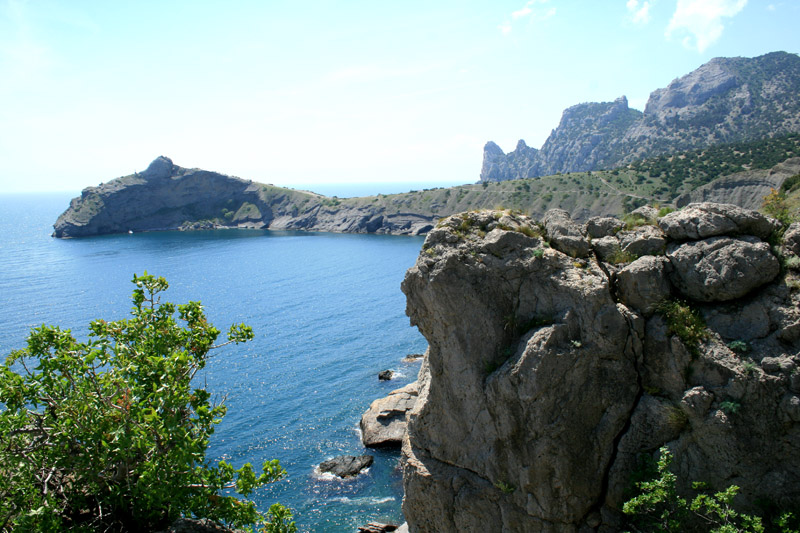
column 597, row 227
column 721, row 268
column 791, row 239
column 643, row 284
column 606, row 248
column 642, row 240
column 564, row 234
column 646, row 212
column 703, row 220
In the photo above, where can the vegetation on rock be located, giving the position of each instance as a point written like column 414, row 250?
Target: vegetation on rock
column 658, row 507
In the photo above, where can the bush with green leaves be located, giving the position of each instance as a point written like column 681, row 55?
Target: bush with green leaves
column 684, row 322
column 111, row 434
column 658, row 507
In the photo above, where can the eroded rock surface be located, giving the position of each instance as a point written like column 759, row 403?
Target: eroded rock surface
column 384, row 423
column 548, row 377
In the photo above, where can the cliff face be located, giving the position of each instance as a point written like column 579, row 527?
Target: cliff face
column 550, row 371
column 726, row 100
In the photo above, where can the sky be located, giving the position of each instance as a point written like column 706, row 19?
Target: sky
column 310, row 93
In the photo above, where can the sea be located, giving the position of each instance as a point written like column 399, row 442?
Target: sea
column 327, row 312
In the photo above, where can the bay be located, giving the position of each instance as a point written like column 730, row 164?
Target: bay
column 328, row 315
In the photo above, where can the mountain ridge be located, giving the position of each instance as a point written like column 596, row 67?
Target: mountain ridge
column 725, row 100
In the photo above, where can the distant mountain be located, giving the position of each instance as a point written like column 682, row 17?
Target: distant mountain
column 726, row 100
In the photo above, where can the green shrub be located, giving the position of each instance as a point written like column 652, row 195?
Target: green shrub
column 730, row 407
column 790, row 184
column 529, row 231
column 632, row 221
column 684, row 322
column 506, row 488
column 619, row 256
column 110, row 434
column 739, row 346
column 658, row 507
column 791, row 262
column 775, row 205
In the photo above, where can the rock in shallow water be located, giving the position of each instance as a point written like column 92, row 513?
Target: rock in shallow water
column 346, row 465
column 384, row 423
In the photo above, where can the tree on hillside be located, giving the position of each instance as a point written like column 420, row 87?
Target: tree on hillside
column 111, row 434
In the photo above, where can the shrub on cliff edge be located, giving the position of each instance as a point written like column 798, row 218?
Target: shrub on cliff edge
column 110, row 435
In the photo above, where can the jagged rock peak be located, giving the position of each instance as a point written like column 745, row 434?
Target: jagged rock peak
column 710, row 79
column 723, row 101
column 161, row 167
column 491, row 148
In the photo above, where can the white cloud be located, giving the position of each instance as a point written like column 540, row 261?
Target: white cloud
column 702, row 21
column 533, row 10
column 525, row 11
column 639, row 11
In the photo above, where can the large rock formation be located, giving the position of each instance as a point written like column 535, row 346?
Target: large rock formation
column 169, row 197
column 726, row 100
column 549, row 375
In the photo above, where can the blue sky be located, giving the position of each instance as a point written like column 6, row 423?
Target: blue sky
column 305, row 93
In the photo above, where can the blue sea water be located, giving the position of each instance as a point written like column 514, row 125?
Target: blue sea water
column 328, row 316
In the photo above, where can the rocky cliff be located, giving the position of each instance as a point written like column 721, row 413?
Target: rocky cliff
column 726, row 100
column 169, row 197
column 560, row 354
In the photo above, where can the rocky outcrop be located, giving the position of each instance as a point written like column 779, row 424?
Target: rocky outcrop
column 549, row 377
column 724, row 101
column 384, row 423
